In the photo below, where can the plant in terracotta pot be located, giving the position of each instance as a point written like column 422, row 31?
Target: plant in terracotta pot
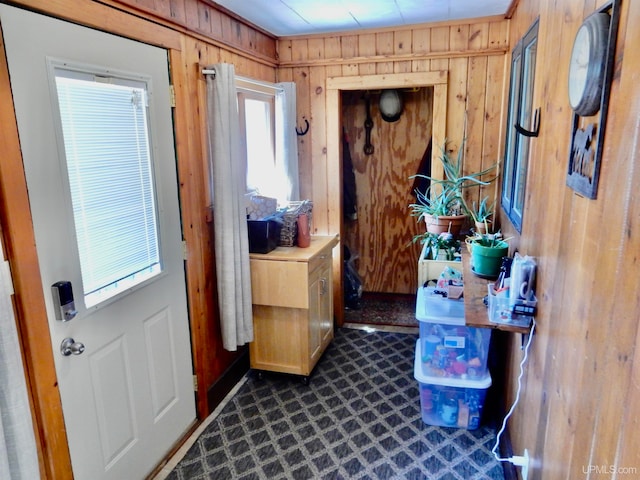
column 442, row 206
column 482, row 215
column 487, row 251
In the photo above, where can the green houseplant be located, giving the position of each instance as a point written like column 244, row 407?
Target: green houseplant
column 482, row 215
column 442, row 206
column 487, row 251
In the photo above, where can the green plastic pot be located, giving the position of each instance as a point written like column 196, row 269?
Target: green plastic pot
column 486, row 260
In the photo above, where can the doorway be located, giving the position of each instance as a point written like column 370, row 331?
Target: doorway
column 337, row 87
column 379, row 234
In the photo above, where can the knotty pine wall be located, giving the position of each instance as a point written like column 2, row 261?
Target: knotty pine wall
column 580, row 408
column 472, row 54
column 581, row 398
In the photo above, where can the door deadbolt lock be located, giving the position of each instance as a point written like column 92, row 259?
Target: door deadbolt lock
column 70, row 347
column 63, row 299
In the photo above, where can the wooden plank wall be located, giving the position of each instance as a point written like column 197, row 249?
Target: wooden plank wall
column 580, row 405
column 473, row 54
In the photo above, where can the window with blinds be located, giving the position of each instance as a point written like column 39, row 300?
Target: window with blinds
column 104, row 124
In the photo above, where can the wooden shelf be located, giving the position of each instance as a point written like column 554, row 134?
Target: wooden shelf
column 475, row 311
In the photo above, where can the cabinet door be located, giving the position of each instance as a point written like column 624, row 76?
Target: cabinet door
column 320, row 311
column 315, row 316
column 326, row 305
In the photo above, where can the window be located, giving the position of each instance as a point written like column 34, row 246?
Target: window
column 257, row 122
column 260, row 113
column 523, row 64
column 105, row 131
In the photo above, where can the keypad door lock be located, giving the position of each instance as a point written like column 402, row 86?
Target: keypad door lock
column 65, row 307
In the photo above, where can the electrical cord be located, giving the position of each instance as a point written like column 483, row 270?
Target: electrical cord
column 514, row 460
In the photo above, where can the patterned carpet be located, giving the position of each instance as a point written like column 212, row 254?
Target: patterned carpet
column 384, row 309
column 358, row 419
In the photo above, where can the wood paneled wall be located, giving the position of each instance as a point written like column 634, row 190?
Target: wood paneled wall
column 580, row 405
column 473, row 56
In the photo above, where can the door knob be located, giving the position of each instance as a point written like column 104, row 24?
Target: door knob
column 70, row 347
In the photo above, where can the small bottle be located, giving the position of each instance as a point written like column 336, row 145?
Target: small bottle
column 505, row 272
column 304, row 233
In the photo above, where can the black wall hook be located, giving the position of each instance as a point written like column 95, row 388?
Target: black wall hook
column 536, row 126
column 301, row 132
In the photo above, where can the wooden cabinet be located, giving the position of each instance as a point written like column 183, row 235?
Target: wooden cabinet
column 292, row 306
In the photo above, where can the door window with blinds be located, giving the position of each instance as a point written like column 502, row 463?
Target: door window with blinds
column 104, row 130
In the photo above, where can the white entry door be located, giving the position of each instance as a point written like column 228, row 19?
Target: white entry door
column 96, row 133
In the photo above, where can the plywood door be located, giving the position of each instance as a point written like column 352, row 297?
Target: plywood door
column 382, row 233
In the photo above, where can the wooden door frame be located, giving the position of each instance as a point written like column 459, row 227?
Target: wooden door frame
column 334, row 85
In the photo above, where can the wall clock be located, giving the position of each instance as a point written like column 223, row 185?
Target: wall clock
column 587, row 64
column 590, row 73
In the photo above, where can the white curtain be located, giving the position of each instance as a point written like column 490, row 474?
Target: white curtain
column 18, row 455
column 229, row 210
column 286, row 138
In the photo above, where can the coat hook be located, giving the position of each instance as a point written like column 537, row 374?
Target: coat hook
column 536, row 126
column 301, row 132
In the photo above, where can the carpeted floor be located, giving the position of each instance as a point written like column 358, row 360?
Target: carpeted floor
column 384, row 309
column 358, row 419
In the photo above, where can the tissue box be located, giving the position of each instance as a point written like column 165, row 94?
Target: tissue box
column 264, row 235
column 260, row 207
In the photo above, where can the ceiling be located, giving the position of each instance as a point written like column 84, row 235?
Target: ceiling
column 303, row 17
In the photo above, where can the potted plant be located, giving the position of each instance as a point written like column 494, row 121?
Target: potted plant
column 487, row 251
column 482, row 215
column 439, row 246
column 439, row 250
column 442, row 206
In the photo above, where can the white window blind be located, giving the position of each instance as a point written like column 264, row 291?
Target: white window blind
column 106, row 139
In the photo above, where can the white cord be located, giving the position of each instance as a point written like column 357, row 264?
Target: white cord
column 514, row 460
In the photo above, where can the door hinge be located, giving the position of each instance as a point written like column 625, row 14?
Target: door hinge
column 172, row 96
column 195, row 383
column 184, row 250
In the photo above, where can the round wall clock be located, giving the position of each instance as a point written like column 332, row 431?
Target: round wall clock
column 587, row 64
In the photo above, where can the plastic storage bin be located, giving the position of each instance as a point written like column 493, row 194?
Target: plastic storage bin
column 449, row 402
column 449, row 348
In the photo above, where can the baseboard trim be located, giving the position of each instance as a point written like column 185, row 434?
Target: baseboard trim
column 232, row 375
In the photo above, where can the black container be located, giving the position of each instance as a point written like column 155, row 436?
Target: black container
column 264, row 235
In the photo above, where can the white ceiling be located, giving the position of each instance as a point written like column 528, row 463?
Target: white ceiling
column 302, row 17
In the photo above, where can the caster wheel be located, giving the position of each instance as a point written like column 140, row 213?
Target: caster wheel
column 260, row 375
column 305, row 380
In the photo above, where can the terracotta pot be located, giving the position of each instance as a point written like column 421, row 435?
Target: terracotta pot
column 444, row 223
column 481, row 227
